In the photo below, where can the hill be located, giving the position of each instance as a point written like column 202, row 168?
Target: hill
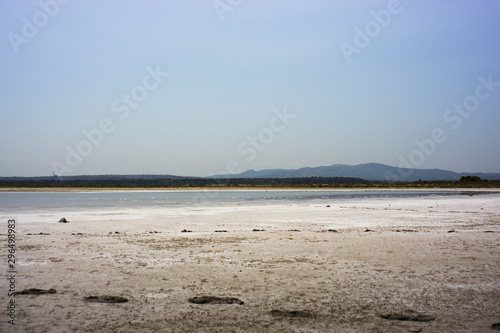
column 369, row 171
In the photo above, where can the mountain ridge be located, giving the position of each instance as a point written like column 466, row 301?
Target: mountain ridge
column 368, row 171
column 375, row 172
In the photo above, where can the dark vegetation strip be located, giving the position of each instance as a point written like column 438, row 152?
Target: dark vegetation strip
column 309, row 182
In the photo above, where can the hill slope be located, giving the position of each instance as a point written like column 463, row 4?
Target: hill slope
column 370, row 171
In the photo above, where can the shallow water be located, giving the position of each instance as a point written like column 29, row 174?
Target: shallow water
column 71, row 201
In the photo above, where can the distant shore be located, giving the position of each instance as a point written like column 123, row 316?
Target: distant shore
column 238, row 188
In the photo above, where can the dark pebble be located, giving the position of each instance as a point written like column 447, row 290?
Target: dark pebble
column 411, row 316
column 281, row 313
column 215, row 300
column 35, row 291
column 106, row 299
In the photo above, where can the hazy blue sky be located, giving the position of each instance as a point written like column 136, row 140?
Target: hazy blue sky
column 251, row 85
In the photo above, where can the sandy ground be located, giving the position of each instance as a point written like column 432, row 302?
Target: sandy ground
column 342, row 281
column 242, row 188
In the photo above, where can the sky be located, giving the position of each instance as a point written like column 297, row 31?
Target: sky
column 204, row 87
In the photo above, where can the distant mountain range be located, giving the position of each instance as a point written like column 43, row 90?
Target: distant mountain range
column 345, row 173
column 370, row 171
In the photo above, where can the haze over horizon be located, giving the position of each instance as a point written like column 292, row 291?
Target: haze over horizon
column 206, row 87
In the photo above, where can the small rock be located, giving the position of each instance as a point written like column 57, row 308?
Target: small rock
column 256, row 230
column 215, row 300
column 332, row 230
column 451, row 231
column 368, row 230
column 184, row 230
column 409, row 316
column 328, row 206
column 63, row 220
column 489, row 231
column 496, row 326
column 106, row 299
column 220, row 231
column 36, row 291
column 294, row 230
column 286, row 313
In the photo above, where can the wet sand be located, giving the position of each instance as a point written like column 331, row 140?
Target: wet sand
column 310, row 268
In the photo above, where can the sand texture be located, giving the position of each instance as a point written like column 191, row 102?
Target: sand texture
column 387, row 265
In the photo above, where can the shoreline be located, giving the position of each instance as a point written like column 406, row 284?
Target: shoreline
column 227, row 189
